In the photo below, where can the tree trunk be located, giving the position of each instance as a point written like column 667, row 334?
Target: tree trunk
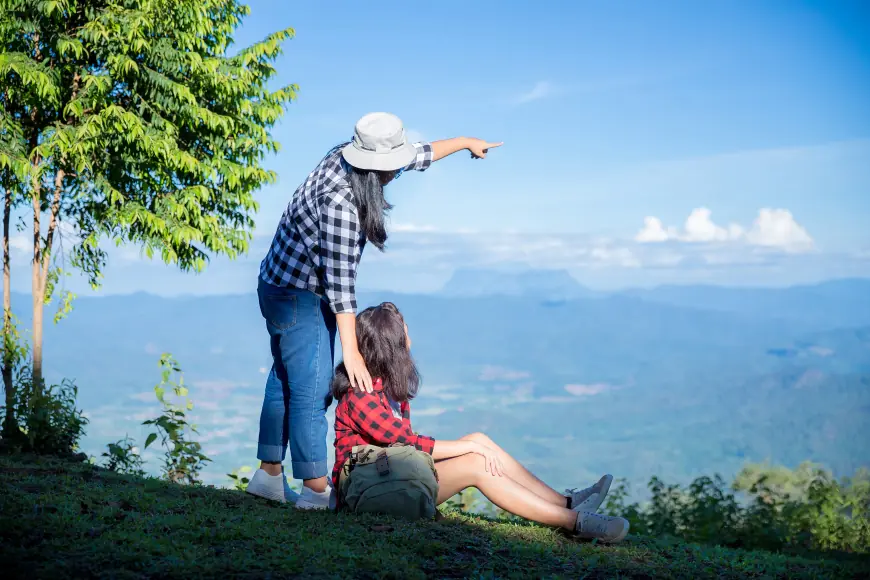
column 37, row 290
column 10, row 424
column 41, row 265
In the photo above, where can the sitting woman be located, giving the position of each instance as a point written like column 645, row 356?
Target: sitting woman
column 383, row 418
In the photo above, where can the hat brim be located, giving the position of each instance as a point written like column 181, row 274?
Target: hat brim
column 369, row 160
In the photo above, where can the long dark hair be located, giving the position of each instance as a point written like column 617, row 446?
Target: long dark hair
column 371, row 206
column 380, row 334
column 368, row 196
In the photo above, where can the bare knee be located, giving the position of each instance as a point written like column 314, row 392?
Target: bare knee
column 478, row 438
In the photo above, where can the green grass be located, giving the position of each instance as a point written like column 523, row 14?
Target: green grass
column 66, row 520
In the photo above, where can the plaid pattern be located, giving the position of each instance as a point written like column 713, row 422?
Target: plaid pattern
column 366, row 419
column 319, row 241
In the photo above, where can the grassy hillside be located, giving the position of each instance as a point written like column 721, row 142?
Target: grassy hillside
column 65, row 520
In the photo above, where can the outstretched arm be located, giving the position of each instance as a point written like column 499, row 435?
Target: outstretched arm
column 477, row 147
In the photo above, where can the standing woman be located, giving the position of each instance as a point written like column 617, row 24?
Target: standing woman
column 306, row 290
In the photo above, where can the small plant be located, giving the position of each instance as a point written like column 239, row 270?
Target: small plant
column 240, row 482
column 122, row 456
column 13, row 359
column 35, row 418
column 467, row 501
column 48, row 417
column 183, row 458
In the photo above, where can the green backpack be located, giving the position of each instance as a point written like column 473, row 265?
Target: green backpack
column 397, row 480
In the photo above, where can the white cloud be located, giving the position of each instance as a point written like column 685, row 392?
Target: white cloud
column 541, row 90
column 145, row 397
column 495, row 373
column 777, row 228
column 587, row 390
column 430, row 412
column 773, row 228
column 411, row 228
column 654, row 231
column 700, row 228
column 20, row 242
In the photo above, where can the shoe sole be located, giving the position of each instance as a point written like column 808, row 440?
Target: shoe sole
column 621, row 536
column 605, row 489
column 615, row 540
column 307, row 505
column 602, row 493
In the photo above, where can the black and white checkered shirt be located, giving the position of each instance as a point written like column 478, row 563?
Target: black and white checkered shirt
column 319, row 241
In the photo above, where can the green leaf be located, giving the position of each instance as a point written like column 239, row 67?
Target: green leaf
column 150, row 439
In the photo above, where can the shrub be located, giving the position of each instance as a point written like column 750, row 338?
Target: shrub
column 122, row 456
column 46, row 417
column 791, row 510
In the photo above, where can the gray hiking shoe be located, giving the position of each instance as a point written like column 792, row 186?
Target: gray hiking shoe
column 609, row 529
column 591, row 498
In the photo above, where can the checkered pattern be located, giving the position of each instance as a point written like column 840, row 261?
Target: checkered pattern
column 366, row 419
column 319, row 241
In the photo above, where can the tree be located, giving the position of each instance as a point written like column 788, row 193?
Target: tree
column 13, row 171
column 135, row 125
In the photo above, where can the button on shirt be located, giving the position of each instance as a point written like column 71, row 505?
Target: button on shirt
column 319, row 240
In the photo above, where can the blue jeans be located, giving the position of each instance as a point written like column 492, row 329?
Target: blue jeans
column 302, row 336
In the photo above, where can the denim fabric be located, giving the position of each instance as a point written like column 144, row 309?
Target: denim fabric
column 302, row 337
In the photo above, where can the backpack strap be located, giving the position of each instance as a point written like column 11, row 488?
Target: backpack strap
column 382, row 464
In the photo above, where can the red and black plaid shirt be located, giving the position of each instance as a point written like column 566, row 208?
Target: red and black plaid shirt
column 367, row 419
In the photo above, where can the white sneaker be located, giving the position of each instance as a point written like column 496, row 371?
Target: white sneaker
column 605, row 528
column 267, row 486
column 313, row 500
column 591, row 498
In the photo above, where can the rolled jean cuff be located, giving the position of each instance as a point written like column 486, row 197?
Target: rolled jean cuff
column 313, row 470
column 271, row 453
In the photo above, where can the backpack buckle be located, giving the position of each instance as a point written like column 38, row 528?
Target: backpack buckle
column 382, row 464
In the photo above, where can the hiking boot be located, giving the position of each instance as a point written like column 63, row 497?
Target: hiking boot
column 605, row 528
column 267, row 486
column 591, row 498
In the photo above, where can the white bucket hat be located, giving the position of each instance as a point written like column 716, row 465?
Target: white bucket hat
column 379, row 144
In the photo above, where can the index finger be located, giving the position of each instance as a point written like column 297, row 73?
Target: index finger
column 491, row 145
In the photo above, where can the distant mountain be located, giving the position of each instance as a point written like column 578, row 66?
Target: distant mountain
column 540, row 284
column 837, row 303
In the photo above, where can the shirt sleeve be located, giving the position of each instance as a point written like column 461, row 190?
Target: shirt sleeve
column 339, row 252
column 423, row 159
column 378, row 425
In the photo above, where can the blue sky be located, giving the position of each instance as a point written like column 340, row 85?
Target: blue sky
column 621, row 121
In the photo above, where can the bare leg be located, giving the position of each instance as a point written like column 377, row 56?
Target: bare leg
column 469, row 470
column 271, row 467
column 518, row 473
